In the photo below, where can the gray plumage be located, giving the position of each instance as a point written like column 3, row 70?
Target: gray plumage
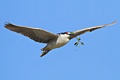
column 52, row 40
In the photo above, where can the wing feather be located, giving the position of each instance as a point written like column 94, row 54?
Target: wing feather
column 36, row 34
column 82, row 31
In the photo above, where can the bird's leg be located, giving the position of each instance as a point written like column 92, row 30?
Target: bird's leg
column 44, row 52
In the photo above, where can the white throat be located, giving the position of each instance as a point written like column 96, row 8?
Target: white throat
column 63, row 38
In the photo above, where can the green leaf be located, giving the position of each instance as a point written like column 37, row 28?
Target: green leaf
column 82, row 43
column 78, row 42
column 78, row 39
column 71, row 32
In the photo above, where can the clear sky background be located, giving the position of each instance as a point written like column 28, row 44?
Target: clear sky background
column 98, row 59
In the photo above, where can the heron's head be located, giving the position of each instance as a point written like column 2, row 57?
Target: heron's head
column 68, row 34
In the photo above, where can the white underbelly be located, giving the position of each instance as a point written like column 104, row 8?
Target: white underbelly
column 60, row 44
column 57, row 43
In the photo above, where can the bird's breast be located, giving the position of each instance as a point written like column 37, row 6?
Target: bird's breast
column 62, row 40
column 59, row 42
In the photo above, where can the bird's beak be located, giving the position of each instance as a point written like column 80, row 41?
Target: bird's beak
column 71, row 35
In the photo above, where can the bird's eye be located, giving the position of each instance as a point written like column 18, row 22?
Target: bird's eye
column 66, row 32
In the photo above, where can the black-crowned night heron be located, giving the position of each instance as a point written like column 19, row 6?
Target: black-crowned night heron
column 52, row 40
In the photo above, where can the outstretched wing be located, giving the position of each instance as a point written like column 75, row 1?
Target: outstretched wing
column 36, row 34
column 79, row 32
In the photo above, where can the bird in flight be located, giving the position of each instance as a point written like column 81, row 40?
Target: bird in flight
column 52, row 40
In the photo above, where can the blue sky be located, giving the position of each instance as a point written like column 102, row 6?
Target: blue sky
column 98, row 59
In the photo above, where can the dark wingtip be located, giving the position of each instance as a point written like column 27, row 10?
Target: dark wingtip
column 7, row 24
column 115, row 22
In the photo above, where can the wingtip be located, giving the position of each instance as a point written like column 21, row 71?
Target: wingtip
column 115, row 22
column 111, row 23
column 6, row 24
